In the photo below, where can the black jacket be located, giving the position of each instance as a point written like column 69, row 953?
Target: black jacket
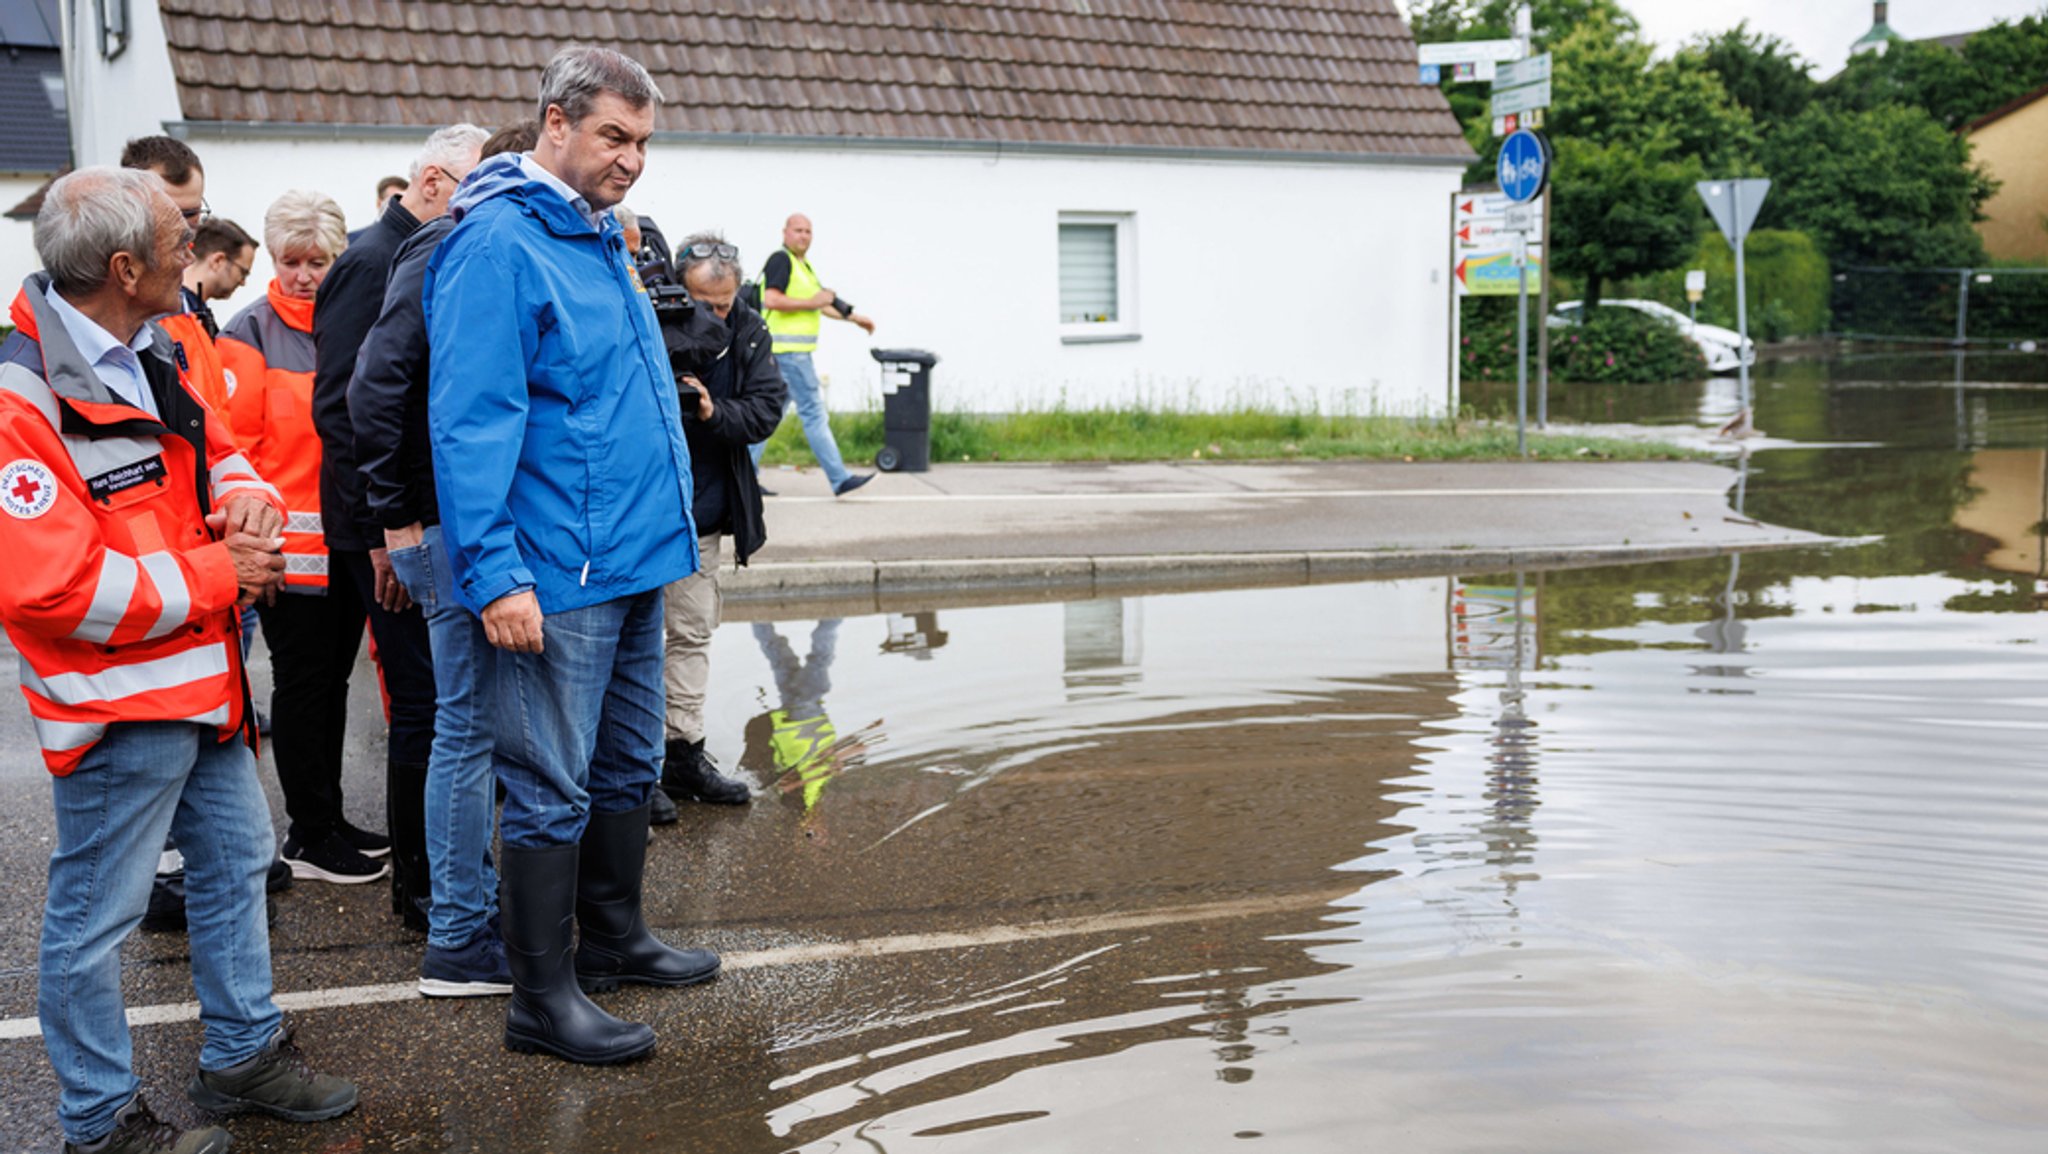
column 350, row 299
column 747, row 395
column 388, row 396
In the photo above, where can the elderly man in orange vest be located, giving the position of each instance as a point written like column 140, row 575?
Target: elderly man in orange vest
column 149, row 529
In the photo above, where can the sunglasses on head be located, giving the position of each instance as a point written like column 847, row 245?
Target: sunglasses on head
column 707, row 251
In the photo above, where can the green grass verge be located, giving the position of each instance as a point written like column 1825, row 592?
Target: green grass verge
column 1151, row 435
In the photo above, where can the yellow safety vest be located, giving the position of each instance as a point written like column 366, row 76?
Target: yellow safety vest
column 796, row 330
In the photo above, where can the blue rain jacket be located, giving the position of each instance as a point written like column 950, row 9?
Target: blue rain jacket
column 557, row 442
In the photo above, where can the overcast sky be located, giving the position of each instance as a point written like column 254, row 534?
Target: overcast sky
column 1819, row 30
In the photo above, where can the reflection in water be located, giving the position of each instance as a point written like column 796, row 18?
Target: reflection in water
column 1102, row 650
column 798, row 737
column 915, row 634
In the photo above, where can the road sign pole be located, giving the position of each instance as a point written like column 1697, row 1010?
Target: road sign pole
column 1741, row 307
column 1543, row 326
column 1522, row 346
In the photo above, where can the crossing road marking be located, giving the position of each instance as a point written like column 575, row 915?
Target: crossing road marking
column 303, row 1001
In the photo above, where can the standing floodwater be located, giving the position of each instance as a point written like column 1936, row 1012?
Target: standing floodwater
column 1725, row 855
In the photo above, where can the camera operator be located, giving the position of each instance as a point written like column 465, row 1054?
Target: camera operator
column 732, row 396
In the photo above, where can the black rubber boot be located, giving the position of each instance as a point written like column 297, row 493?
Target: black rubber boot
column 689, row 774
column 549, row 1013
column 616, row 944
column 405, row 812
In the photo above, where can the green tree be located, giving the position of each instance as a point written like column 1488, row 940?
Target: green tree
column 1760, row 72
column 1908, row 74
column 1997, row 65
column 1883, row 186
column 1621, row 210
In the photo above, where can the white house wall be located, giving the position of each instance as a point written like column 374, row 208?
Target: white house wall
column 1290, row 285
column 17, row 237
column 110, row 101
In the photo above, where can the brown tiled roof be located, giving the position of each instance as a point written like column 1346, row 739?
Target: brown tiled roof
column 1296, row 76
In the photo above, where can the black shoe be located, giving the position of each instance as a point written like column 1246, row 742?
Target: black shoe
column 661, row 810
column 280, row 877
column 137, row 1130
column 768, row 492
column 329, row 858
column 166, row 912
column 689, row 774
column 278, row 1082
column 363, row 841
column 852, row 482
column 549, row 1013
column 615, row 944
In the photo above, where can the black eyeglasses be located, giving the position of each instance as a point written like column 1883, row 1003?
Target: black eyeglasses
column 707, row 251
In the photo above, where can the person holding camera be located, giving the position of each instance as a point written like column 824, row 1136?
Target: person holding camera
column 732, row 395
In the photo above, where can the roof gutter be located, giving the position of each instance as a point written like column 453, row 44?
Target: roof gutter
column 278, row 130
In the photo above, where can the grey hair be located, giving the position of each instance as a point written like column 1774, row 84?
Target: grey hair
column 718, row 266
column 628, row 219
column 578, row 73
column 455, row 146
column 89, row 216
column 301, row 220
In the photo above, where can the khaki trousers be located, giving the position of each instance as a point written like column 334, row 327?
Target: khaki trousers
column 690, row 613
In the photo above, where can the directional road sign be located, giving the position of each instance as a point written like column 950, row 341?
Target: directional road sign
column 1516, row 73
column 1527, row 98
column 1468, row 51
column 1524, row 166
column 1734, row 204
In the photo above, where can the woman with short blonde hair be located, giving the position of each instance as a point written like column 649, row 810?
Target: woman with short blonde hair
column 314, row 628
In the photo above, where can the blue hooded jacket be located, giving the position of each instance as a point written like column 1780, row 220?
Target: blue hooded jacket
column 557, row 442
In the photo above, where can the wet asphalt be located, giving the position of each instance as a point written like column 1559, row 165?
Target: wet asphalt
column 1113, row 881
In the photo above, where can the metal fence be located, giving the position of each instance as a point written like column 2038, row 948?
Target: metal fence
column 1999, row 307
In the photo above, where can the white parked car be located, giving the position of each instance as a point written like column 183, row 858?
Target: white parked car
column 1717, row 344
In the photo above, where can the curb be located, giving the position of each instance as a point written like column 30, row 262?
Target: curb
column 1086, row 576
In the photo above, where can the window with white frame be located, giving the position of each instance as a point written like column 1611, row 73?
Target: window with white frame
column 1098, row 267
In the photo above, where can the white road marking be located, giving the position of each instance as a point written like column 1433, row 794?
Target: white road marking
column 1256, row 495
column 304, row 1001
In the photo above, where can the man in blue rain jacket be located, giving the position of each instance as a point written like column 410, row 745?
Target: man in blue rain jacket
column 564, row 484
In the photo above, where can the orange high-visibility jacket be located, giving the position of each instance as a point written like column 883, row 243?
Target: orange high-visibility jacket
column 203, row 370
column 119, row 598
column 269, row 349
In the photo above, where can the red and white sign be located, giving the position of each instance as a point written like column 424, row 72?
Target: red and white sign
column 27, row 489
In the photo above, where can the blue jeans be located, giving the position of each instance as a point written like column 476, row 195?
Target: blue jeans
column 809, row 398
column 579, row 723
column 459, row 793
column 142, row 781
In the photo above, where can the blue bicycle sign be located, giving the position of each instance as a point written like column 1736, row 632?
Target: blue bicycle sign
column 1524, row 166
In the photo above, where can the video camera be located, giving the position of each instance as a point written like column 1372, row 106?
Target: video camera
column 694, row 338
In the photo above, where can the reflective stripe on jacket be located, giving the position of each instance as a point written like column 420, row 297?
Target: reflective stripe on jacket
column 269, row 349
column 127, row 610
column 796, row 331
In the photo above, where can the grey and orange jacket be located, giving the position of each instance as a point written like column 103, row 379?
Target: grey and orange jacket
column 268, row 348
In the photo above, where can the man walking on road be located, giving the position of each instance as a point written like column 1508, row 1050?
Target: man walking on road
column 150, row 528
column 564, row 486
column 792, row 300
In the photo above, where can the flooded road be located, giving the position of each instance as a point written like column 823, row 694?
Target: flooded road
column 1730, row 855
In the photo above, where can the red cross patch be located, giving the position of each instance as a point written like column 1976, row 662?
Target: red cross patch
column 27, row 489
